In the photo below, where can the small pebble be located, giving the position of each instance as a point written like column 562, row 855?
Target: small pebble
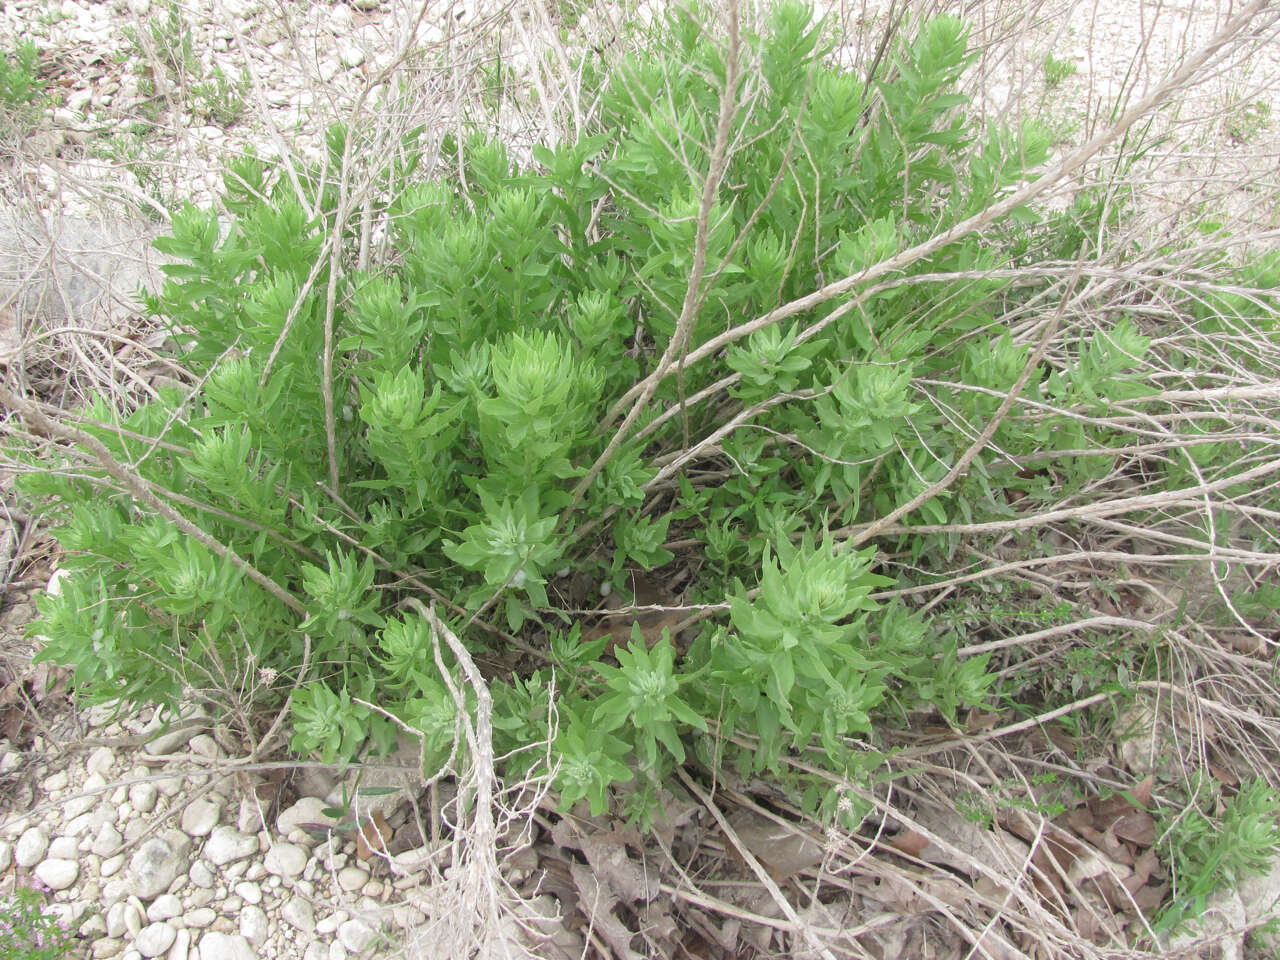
column 111, row 866
column 285, row 860
column 200, row 917
column 164, row 907
column 64, row 848
column 31, row 847
column 201, row 875
column 100, row 760
column 351, row 879
column 331, row 923
column 143, row 797
column 154, row 939
column 115, row 920
column 58, row 874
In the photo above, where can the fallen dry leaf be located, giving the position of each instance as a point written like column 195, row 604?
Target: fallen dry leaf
column 781, row 848
column 598, row 900
column 372, row 836
column 980, row 721
column 606, row 852
column 911, row 843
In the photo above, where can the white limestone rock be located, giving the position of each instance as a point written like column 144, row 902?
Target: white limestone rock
column 154, row 939
column 227, row 845
column 31, row 847
column 58, row 874
column 223, row 946
column 286, row 860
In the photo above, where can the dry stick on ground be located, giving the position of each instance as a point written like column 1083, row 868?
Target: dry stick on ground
column 798, row 925
column 1090, row 623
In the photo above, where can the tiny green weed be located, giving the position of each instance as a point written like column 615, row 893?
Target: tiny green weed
column 166, row 51
column 1057, row 71
column 1213, row 842
column 22, row 91
column 221, row 99
column 1246, row 121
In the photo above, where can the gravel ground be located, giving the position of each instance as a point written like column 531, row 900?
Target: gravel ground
column 151, row 100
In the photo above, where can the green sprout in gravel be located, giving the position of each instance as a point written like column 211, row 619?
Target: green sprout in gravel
column 1056, row 72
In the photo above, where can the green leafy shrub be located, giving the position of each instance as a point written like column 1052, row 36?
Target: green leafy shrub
column 28, row 931
column 466, row 443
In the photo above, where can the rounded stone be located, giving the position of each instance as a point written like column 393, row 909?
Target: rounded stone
column 111, row 866
column 223, row 946
column 253, row 925
column 298, row 913
column 154, row 939
column 100, row 761
column 201, row 917
column 142, row 797
column 64, row 848
column 154, row 867
column 108, row 841
column 181, row 945
column 353, row 878
column 356, row 935
column 166, row 907
column 107, row 947
column 286, row 860
column 58, row 874
column 226, row 845
column 133, row 917
column 31, row 847
column 249, row 892
column 331, row 923
column 308, row 810
column 115, row 920
column 200, row 817
column 203, row 745
column 201, row 875
column 6, row 856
